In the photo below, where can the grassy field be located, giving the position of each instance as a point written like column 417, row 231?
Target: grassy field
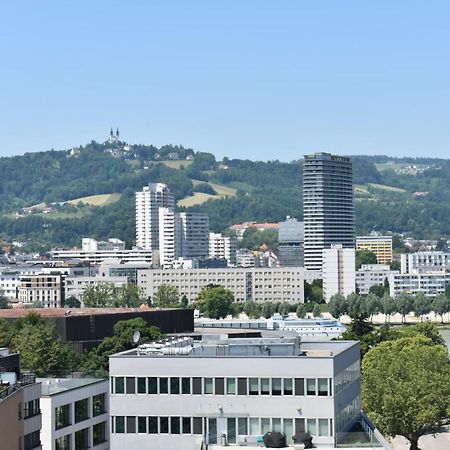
column 176, row 163
column 386, row 188
column 96, row 200
column 197, row 199
column 361, row 189
column 222, row 191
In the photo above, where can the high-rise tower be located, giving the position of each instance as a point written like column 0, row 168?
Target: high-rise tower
column 327, row 206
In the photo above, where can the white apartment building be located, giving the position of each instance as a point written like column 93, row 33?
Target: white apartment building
column 338, row 271
column 431, row 283
column 252, row 284
column 223, row 247
column 424, row 261
column 371, row 275
column 184, row 394
column 46, row 288
column 169, row 246
column 245, row 258
column 75, row 414
column 148, row 202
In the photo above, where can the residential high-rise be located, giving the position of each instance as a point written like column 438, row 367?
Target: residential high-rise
column 327, row 206
column 290, row 243
column 193, row 235
column 223, row 247
column 148, row 202
column 380, row 245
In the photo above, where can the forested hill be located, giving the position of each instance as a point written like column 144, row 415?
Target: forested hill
column 56, row 197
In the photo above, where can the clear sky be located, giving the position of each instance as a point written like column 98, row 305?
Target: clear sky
column 249, row 79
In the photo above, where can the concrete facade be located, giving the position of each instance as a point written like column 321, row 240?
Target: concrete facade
column 338, row 271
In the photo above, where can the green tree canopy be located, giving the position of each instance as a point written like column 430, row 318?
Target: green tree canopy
column 216, row 302
column 365, row 257
column 167, row 296
column 106, row 295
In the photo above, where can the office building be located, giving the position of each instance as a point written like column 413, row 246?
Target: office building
column 371, row 275
column 245, row 258
column 75, row 413
column 148, row 202
column 338, row 271
column 193, row 231
column 424, row 261
column 430, row 283
column 380, row 245
column 47, row 289
column 184, row 394
column 223, row 247
column 290, row 243
column 247, row 284
column 327, row 206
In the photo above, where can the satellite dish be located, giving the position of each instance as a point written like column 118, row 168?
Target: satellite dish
column 136, row 337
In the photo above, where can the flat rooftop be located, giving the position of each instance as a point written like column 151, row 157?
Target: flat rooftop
column 53, row 386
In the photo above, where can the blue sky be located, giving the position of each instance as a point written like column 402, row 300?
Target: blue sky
column 248, row 79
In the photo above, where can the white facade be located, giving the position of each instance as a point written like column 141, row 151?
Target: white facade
column 424, row 261
column 99, row 256
column 257, row 284
column 429, row 283
column 45, row 288
column 371, row 275
column 168, row 242
column 9, row 283
column 338, row 271
column 92, row 245
column 182, row 394
column 245, row 258
column 74, row 286
column 75, row 413
column 148, row 202
column 223, row 247
column 193, row 232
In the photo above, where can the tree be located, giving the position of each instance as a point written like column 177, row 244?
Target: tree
column 421, row 305
column 441, row 246
column 337, row 305
column 267, row 310
column 441, row 306
column 395, row 265
column 364, row 257
column 377, row 289
column 72, row 302
column 301, row 311
column 184, row 301
column 167, row 296
column 388, row 307
column 4, row 303
column 97, row 296
column 356, row 307
column 406, row 387
column 316, row 310
column 216, row 302
column 404, row 304
column 372, row 304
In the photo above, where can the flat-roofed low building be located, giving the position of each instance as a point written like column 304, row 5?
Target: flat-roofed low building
column 380, row 245
column 429, row 283
column 424, row 262
column 371, row 275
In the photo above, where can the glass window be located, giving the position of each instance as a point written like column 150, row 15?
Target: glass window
column 288, row 430
column 323, row 427
column 323, row 386
column 311, row 386
column 276, row 386
column 276, row 425
column 186, row 423
column 131, row 424
column 231, row 430
column 141, row 385
column 163, row 424
column 197, row 386
column 131, row 385
column 174, row 385
column 231, row 386
column 63, row 443
column 265, row 386
column 254, row 426
column 198, row 425
column 185, row 385
column 208, row 385
column 62, row 416
column 219, row 386
column 242, row 386
column 153, row 425
column 242, row 426
column 142, row 424
column 163, row 386
column 311, row 427
column 120, row 424
column 81, row 410
column 287, row 386
column 265, row 425
column 98, row 404
column 153, row 385
column 300, row 425
column 299, row 386
column 212, row 431
column 253, row 386
column 175, row 425
column 120, row 385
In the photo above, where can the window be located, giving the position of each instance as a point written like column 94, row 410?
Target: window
column 131, row 424
column 323, row 427
column 242, row 386
column 254, row 426
column 131, row 385
column 153, row 425
column 174, row 385
column 63, row 443
column 141, row 385
column 120, row 424
column 32, row 440
column 186, row 423
column 163, row 386
column 276, row 425
column 323, row 386
column 300, row 425
column 276, row 386
column 175, row 425
column 153, row 385
column 164, row 425
column 220, row 386
column 142, row 425
column 265, row 426
column 99, row 433
column 208, row 385
column 288, row 430
column 81, row 410
column 82, row 439
column 287, row 386
column 242, row 426
column 98, row 404
column 299, row 386
column 253, row 386
column 62, row 416
column 31, row 408
column 185, row 385
column 311, row 386
column 231, row 386
column 265, row 386
column 198, row 425
column 231, row 430
column 311, row 427
column 120, row 385
column 197, row 386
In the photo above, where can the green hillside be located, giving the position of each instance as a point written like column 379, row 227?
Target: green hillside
column 56, row 197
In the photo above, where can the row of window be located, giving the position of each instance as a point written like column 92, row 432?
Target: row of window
column 29, row 409
column 82, row 438
column 347, row 376
column 222, row 386
column 236, row 426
